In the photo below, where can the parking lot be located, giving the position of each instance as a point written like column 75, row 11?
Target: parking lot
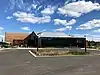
column 20, row 62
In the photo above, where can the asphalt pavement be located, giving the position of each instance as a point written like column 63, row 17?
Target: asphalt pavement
column 20, row 62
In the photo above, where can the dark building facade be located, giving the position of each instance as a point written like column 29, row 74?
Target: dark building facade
column 33, row 41
column 62, row 42
column 48, row 40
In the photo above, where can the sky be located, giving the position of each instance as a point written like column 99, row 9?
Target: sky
column 74, row 17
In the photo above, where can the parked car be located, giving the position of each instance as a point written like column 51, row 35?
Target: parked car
column 4, row 45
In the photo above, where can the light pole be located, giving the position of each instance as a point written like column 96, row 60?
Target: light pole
column 85, row 42
column 2, row 39
column 69, row 31
column 38, row 41
column 92, row 37
column 39, row 38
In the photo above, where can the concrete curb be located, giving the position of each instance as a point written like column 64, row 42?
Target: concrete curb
column 58, row 56
column 16, row 48
column 91, row 49
column 5, row 49
column 65, row 56
column 32, row 53
column 2, row 49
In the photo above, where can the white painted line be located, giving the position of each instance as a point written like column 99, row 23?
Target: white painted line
column 32, row 53
column 66, row 56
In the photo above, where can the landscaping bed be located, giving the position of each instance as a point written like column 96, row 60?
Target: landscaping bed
column 59, row 52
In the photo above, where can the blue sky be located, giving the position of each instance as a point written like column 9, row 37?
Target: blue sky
column 76, row 17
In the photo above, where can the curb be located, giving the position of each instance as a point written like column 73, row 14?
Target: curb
column 63, row 56
column 58, row 56
column 67, row 56
column 32, row 53
column 1, row 49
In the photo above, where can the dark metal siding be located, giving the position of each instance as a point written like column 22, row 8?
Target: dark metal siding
column 62, row 42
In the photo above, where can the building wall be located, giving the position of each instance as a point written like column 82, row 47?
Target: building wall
column 18, row 42
column 9, row 37
column 62, row 42
column 31, row 40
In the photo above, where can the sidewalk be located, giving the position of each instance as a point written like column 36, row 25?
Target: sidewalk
column 91, row 49
column 15, row 48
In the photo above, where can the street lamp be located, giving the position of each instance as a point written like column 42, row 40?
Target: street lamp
column 92, row 37
column 2, row 39
column 69, row 31
column 85, row 42
column 38, row 39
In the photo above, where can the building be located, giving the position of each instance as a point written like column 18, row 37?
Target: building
column 45, row 39
column 54, row 39
column 31, row 40
column 15, row 38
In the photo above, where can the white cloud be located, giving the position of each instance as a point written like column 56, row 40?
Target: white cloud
column 39, row 7
column 29, row 32
column 1, row 37
column 1, row 28
column 25, row 28
column 71, row 22
column 44, row 30
column 31, row 7
column 60, row 29
column 89, row 37
column 69, row 27
column 17, row 3
column 96, row 39
column 28, row 17
column 0, row 31
column 63, row 29
column 64, row 22
column 9, row 17
column 48, row 11
column 68, row 1
column 90, row 25
column 98, row 30
column 60, row 22
column 34, row 6
column 76, row 9
column 19, row 14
